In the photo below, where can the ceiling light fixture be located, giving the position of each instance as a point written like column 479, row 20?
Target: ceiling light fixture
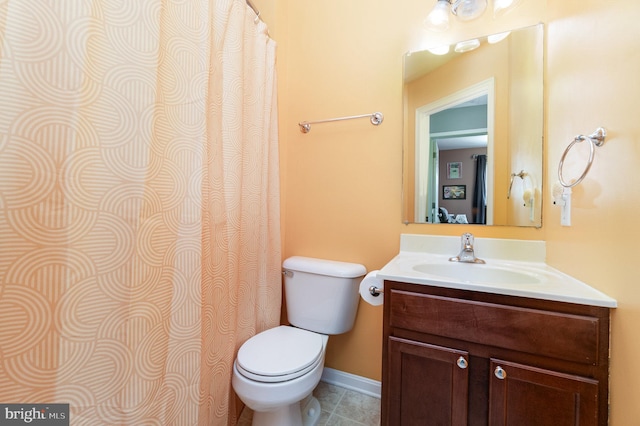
column 501, row 7
column 496, row 38
column 465, row 10
column 439, row 50
column 466, row 46
column 438, row 18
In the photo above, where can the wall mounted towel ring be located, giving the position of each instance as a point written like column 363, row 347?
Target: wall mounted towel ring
column 595, row 139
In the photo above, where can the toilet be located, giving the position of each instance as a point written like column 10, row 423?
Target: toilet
column 276, row 371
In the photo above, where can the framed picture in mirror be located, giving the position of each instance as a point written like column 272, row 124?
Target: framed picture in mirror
column 454, row 170
column 454, row 192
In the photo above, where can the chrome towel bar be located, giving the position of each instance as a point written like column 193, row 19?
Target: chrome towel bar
column 376, row 119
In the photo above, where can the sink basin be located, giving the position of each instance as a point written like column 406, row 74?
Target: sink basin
column 513, row 268
column 475, row 273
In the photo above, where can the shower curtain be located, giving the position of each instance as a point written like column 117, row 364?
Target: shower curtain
column 139, row 205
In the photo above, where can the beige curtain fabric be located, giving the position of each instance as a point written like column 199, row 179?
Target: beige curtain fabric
column 139, row 205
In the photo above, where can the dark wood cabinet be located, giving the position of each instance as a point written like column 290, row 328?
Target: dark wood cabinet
column 528, row 396
column 431, row 383
column 457, row 357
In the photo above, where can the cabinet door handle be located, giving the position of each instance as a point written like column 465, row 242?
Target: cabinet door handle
column 462, row 363
column 500, row 373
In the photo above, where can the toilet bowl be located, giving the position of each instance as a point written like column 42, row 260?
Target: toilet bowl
column 275, row 371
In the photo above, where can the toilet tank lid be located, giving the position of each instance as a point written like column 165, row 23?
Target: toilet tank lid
column 331, row 268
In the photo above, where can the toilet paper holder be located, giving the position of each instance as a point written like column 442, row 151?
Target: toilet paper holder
column 371, row 288
column 375, row 291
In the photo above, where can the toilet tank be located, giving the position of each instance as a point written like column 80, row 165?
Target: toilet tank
column 322, row 295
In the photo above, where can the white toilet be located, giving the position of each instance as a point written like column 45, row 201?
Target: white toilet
column 276, row 370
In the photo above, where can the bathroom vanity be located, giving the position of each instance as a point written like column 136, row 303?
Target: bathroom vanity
column 498, row 355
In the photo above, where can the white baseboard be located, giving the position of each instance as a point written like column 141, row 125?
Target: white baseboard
column 351, row 381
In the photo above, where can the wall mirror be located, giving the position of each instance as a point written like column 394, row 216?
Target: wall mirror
column 473, row 128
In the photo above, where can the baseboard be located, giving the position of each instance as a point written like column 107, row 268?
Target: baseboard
column 351, row 381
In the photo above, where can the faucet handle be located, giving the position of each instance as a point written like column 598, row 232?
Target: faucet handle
column 467, row 240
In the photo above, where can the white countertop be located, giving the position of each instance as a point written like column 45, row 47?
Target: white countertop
column 508, row 255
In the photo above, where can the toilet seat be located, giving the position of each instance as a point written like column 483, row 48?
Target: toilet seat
column 280, row 354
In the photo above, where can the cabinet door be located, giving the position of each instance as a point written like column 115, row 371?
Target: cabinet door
column 521, row 395
column 428, row 384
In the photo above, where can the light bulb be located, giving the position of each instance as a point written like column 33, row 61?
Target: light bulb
column 439, row 50
column 466, row 10
column 501, row 7
column 466, row 46
column 438, row 18
column 496, row 38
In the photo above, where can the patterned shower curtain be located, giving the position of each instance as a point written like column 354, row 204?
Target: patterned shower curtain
column 139, row 205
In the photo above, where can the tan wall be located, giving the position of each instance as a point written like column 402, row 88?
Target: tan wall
column 342, row 182
column 601, row 246
column 524, row 127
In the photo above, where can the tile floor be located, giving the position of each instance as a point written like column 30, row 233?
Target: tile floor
column 340, row 407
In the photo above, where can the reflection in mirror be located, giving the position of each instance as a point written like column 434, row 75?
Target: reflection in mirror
column 473, row 120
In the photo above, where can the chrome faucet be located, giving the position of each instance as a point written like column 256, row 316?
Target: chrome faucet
column 466, row 254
